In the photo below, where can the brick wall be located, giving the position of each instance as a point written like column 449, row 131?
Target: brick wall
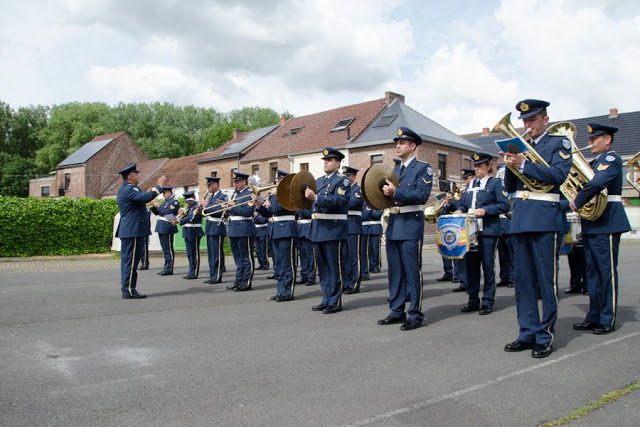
column 35, row 187
column 77, row 181
column 221, row 167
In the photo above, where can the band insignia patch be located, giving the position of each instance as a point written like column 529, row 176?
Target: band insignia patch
column 175, row 203
column 603, row 167
column 564, row 156
column 136, row 189
column 566, row 144
column 504, row 193
column 429, row 171
column 345, row 182
column 609, row 158
column 342, row 192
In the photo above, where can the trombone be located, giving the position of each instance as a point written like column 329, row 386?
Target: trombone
column 222, row 207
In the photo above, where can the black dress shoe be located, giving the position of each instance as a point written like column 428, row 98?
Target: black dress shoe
column 144, row 268
column 376, row 271
column 518, row 346
column 511, row 285
column 584, row 326
column 390, row 320
column 272, row 276
column 540, row 350
column 242, row 289
column 365, row 278
column 410, row 325
column 282, row 298
column 165, row 273
column 188, row 277
column 301, row 281
column 445, row 278
column 469, row 308
column 573, row 290
column 459, row 289
column 274, row 297
column 603, row 330
column 209, row 281
column 484, row 310
column 585, row 292
column 319, row 307
column 310, row 283
column 502, row 284
column 231, row 287
column 455, row 280
column 330, row 309
column 351, row 291
column 134, row 296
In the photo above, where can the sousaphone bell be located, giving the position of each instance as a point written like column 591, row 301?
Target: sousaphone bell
column 373, row 180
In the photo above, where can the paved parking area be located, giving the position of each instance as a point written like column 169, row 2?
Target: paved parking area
column 74, row 353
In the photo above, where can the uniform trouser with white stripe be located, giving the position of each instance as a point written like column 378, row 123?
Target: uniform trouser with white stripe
column 351, row 263
column 215, row 250
column 130, row 253
column 166, row 243
column 484, row 257
column 328, row 255
column 601, row 254
column 243, row 258
column 405, row 278
column 364, row 256
column 307, row 260
column 283, row 256
column 193, row 255
column 536, row 272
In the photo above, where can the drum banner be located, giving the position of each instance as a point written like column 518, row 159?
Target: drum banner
column 453, row 240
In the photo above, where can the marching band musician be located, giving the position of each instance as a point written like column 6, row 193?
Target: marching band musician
column 306, row 249
column 215, row 230
column 166, row 228
column 365, row 241
column 537, row 230
column 576, row 261
column 601, row 238
column 133, row 227
column 329, row 228
column 375, row 237
column 192, row 233
column 284, row 230
column 487, row 199
column 451, row 205
column 405, row 232
column 505, row 248
column 261, row 241
column 351, row 256
column 241, row 231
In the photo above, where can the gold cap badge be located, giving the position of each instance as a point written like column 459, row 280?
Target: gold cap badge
column 476, row 157
column 399, row 131
column 325, row 152
column 524, row 107
column 589, row 129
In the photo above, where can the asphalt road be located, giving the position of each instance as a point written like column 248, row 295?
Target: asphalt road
column 74, row 353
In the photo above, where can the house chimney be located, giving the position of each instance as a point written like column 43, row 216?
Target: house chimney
column 237, row 132
column 389, row 97
column 485, row 131
column 283, row 119
column 613, row 113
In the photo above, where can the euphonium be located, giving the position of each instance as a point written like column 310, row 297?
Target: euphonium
column 635, row 164
column 504, row 126
column 579, row 175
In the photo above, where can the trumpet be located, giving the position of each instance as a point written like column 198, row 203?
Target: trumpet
column 222, row 207
column 634, row 163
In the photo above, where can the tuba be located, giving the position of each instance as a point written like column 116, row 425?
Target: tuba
column 504, row 126
column 579, row 175
column 635, row 164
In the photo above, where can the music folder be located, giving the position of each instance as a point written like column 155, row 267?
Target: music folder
column 513, row 145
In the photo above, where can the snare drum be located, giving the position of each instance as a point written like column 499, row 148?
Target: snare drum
column 457, row 234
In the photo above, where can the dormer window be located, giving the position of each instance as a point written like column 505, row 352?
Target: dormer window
column 342, row 124
column 385, row 121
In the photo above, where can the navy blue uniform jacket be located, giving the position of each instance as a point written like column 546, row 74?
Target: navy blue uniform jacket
column 134, row 216
column 355, row 204
column 279, row 229
column 332, row 197
column 246, row 227
column 215, row 228
column 414, row 189
column 169, row 207
column 493, row 199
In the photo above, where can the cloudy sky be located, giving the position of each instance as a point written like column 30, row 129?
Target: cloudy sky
column 463, row 64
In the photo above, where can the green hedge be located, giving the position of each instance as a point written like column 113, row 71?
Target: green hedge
column 30, row 226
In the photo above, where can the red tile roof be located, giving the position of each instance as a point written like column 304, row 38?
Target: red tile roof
column 181, row 172
column 147, row 170
column 316, row 131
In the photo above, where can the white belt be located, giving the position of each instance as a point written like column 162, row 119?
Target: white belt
column 614, row 198
column 546, row 197
column 214, row 219
column 406, row 209
column 261, row 225
column 240, row 218
column 192, row 225
column 355, row 213
column 371, row 223
column 283, row 218
column 161, row 218
column 304, row 221
column 342, row 217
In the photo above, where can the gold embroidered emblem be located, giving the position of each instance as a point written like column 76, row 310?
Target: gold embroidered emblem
column 603, row 167
column 524, row 107
column 325, row 152
column 399, row 131
column 344, row 169
column 589, row 129
column 564, row 156
column 476, row 157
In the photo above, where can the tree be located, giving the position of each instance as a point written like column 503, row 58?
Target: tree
column 15, row 173
column 214, row 137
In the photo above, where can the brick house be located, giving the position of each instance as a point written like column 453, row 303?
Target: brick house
column 90, row 169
